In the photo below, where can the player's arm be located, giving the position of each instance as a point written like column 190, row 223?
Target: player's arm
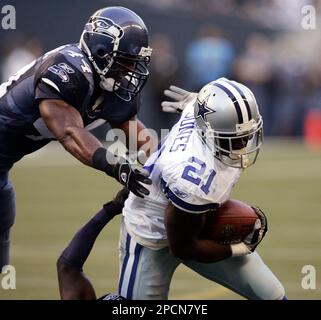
column 60, row 92
column 73, row 283
column 183, row 229
column 145, row 139
column 66, row 124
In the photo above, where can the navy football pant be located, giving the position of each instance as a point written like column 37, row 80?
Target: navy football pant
column 7, row 217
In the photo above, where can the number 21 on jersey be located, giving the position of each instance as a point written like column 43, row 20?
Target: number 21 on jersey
column 194, row 173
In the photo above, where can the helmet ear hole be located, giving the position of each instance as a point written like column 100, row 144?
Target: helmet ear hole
column 100, row 53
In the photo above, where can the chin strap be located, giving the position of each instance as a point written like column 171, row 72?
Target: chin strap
column 107, row 84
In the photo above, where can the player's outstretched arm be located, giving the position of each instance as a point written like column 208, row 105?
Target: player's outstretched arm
column 73, row 283
column 66, row 124
column 183, row 231
column 144, row 140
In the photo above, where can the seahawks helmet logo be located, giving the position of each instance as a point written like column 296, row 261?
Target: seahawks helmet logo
column 106, row 27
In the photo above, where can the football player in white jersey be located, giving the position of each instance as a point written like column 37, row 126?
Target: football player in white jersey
column 219, row 134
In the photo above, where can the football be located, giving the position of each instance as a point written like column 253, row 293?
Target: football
column 231, row 223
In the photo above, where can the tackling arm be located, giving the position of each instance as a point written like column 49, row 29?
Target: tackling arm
column 183, row 229
column 145, row 139
column 66, row 124
column 73, row 283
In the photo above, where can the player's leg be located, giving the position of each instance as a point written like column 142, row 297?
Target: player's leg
column 7, row 216
column 246, row 275
column 145, row 274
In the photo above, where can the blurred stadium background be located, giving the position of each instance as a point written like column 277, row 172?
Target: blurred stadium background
column 260, row 43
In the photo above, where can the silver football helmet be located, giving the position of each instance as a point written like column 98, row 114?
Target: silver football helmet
column 229, row 122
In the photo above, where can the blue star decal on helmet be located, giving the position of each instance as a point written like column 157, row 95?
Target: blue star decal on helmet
column 203, row 109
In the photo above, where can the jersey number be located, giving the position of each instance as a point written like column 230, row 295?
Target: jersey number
column 198, row 171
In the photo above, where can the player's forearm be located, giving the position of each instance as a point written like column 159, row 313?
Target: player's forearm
column 81, row 144
column 81, row 244
column 87, row 149
column 66, row 124
column 138, row 137
column 207, row 251
column 183, row 231
column 146, row 140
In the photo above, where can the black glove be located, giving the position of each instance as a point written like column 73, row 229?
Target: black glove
column 130, row 175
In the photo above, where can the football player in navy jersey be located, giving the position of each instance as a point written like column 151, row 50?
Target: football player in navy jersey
column 70, row 90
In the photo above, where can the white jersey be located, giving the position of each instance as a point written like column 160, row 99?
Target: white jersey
column 185, row 172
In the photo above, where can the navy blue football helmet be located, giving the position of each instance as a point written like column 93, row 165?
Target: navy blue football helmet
column 115, row 39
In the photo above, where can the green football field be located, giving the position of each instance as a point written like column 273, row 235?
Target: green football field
column 56, row 195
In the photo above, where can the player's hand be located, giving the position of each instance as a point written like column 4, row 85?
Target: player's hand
column 130, row 175
column 133, row 177
column 120, row 199
column 253, row 239
column 180, row 96
column 259, row 230
column 116, row 206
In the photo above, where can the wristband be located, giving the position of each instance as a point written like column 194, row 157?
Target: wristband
column 99, row 161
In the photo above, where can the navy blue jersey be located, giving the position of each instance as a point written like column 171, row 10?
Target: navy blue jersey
column 64, row 73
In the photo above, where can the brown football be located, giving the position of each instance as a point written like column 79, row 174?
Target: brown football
column 231, row 223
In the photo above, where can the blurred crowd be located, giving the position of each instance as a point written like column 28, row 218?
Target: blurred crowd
column 283, row 70
column 270, row 13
